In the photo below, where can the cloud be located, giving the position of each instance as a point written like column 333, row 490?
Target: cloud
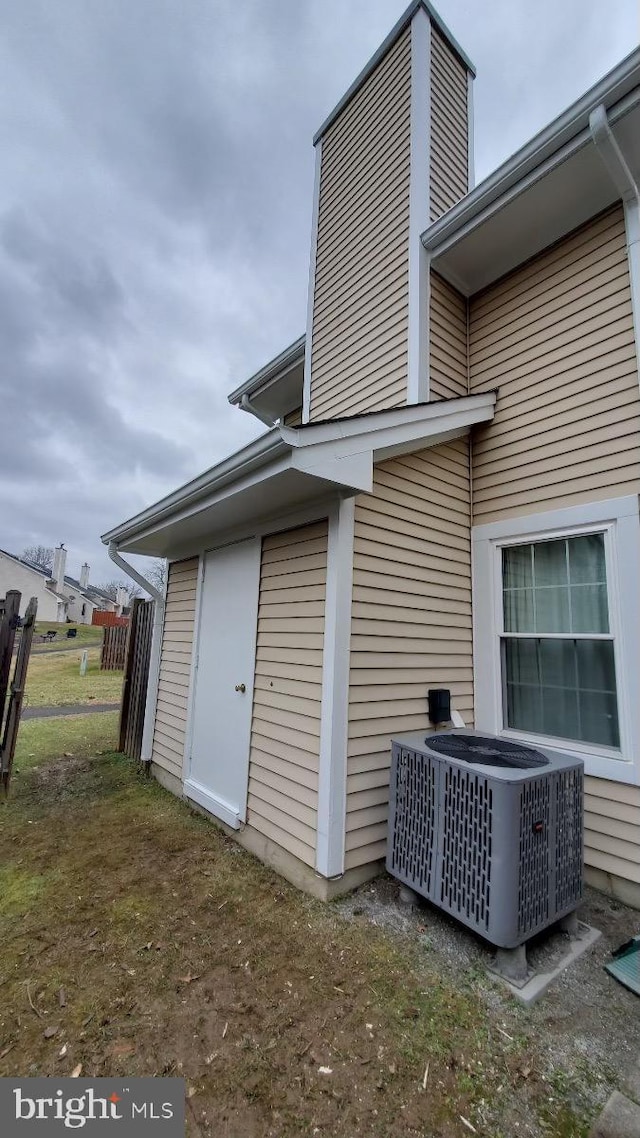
column 155, row 214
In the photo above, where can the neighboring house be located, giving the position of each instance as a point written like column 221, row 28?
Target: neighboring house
column 449, row 497
column 31, row 581
column 60, row 597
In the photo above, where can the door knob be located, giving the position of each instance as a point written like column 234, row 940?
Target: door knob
column 241, row 687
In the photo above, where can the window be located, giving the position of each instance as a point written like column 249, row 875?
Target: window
column 557, row 649
column 556, row 625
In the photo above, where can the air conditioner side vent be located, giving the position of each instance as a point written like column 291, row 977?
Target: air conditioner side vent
column 467, row 816
column 569, row 852
column 534, row 860
column 414, row 805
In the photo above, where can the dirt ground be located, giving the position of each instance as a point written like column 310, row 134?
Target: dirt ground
column 137, row 939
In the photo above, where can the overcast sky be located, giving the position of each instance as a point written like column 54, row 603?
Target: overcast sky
column 155, row 212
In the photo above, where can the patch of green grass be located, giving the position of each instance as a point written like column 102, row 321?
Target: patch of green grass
column 47, row 740
column 19, row 889
column 54, row 680
column 86, row 634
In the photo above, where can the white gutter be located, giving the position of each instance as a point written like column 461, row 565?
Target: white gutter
column 275, row 369
column 256, row 454
column 609, row 150
column 133, row 573
column 247, row 405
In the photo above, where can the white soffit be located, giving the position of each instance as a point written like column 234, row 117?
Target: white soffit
column 564, row 192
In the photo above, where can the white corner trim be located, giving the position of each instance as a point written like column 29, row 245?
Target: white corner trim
column 306, row 388
column 146, row 749
column 471, row 174
column 620, row 520
column 188, row 734
column 332, row 783
column 419, row 211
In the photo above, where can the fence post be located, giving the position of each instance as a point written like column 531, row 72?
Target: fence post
column 8, row 626
column 7, row 750
column 128, row 668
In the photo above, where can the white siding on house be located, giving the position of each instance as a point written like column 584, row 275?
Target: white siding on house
column 448, row 349
column 556, row 338
column 411, row 622
column 449, row 127
column 359, row 356
column 175, row 667
column 285, row 734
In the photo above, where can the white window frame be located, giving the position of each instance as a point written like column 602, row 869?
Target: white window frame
column 619, row 520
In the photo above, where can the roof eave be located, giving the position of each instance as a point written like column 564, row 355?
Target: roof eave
column 271, row 372
column 259, row 452
column 571, row 129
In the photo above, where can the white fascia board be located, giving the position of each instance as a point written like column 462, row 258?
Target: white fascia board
column 258, row 453
column 379, row 431
column 419, row 209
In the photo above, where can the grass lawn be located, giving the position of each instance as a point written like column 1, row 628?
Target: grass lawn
column 54, row 679
column 138, row 940
column 86, row 634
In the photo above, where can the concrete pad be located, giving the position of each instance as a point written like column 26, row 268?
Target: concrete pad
column 631, row 1083
column 619, row 1119
column 536, row 984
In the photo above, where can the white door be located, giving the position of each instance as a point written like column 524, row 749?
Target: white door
column 223, row 696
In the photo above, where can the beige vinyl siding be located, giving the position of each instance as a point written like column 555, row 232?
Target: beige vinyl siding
column 612, row 828
column 411, row 622
column 175, row 666
column 448, row 359
column 293, row 418
column 556, row 338
column 359, row 355
column 285, row 729
column 449, row 127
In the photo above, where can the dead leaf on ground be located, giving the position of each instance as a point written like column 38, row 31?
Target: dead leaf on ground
column 188, row 979
column 122, row 1048
column 77, row 1071
column 49, row 1032
column 63, row 1051
column 62, row 998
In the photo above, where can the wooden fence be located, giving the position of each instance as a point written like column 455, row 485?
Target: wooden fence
column 10, row 717
column 114, row 649
column 136, row 678
column 106, row 619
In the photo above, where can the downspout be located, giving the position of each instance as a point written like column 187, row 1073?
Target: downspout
column 156, row 645
column 247, row 405
column 609, row 150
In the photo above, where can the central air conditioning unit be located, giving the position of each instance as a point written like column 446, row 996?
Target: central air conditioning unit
column 488, row 830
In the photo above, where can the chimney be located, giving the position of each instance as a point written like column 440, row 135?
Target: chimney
column 122, row 597
column 59, row 566
column 84, row 576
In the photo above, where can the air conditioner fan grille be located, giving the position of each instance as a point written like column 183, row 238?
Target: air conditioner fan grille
column 488, row 752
